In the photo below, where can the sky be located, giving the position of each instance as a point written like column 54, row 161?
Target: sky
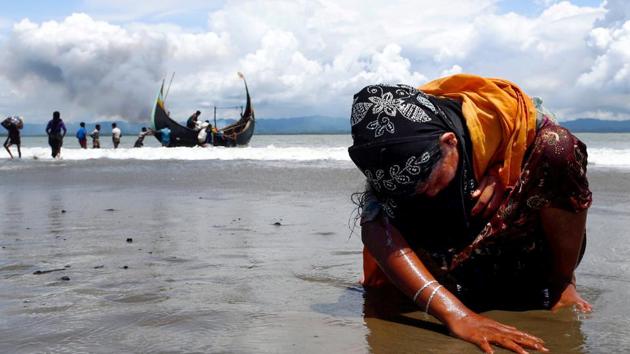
column 106, row 59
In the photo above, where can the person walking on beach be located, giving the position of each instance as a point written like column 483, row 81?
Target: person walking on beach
column 13, row 125
column 143, row 132
column 82, row 135
column 54, row 130
column 192, row 122
column 116, row 134
column 95, row 135
column 474, row 199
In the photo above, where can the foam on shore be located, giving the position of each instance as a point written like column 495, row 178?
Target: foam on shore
column 606, row 157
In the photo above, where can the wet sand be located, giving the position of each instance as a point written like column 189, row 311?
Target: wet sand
column 241, row 257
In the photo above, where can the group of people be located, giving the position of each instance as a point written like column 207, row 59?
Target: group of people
column 56, row 131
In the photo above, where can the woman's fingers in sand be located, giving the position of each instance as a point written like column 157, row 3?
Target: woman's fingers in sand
column 515, row 341
column 485, row 332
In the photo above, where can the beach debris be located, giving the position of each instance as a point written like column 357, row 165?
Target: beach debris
column 99, row 266
column 63, row 211
column 67, row 266
column 125, row 267
column 129, row 240
column 110, row 209
column 38, row 272
column 65, row 278
column 277, row 223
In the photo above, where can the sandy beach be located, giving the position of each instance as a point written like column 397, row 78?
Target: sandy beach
column 241, row 257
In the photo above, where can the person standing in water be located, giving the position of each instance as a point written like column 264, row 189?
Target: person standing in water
column 13, row 125
column 116, row 134
column 55, row 136
column 203, row 136
column 192, row 122
column 143, row 132
column 165, row 136
column 82, row 135
column 96, row 142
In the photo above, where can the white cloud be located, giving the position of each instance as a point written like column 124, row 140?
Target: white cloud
column 309, row 57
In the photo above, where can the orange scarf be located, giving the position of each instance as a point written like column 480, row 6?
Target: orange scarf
column 501, row 120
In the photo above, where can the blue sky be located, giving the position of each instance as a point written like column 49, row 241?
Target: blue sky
column 57, row 10
column 534, row 8
column 105, row 59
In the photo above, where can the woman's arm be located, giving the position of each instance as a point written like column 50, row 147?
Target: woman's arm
column 403, row 267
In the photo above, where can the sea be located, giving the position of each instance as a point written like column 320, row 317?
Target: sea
column 246, row 250
column 604, row 149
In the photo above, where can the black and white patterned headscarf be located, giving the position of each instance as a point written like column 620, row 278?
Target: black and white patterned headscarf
column 396, row 131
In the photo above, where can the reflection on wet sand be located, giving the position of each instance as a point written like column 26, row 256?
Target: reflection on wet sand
column 208, row 271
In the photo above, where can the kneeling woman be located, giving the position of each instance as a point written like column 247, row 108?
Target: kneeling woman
column 474, row 200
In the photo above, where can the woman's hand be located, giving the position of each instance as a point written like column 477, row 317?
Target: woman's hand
column 485, row 332
column 489, row 196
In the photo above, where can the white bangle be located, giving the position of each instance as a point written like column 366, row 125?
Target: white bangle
column 426, row 309
column 415, row 297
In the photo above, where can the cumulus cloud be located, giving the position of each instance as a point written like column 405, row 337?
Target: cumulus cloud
column 609, row 73
column 309, row 57
column 91, row 64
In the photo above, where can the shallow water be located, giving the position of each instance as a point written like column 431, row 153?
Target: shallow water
column 209, row 271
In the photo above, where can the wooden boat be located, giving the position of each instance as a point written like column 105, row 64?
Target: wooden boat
column 236, row 134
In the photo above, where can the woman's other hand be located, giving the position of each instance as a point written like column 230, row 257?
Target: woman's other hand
column 485, row 332
column 489, row 196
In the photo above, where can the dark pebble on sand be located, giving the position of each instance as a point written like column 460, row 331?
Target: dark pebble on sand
column 277, row 223
column 125, row 267
column 63, row 211
column 129, row 240
column 99, row 266
column 67, row 266
column 110, row 209
column 65, row 278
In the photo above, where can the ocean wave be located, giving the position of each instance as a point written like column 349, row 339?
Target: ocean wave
column 267, row 153
column 607, row 157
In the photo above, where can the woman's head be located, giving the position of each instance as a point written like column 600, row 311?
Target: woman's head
column 399, row 139
column 56, row 115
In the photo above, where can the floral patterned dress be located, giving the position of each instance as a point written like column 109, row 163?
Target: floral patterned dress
column 502, row 262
